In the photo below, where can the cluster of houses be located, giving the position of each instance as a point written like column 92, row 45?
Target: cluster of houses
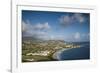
column 42, row 53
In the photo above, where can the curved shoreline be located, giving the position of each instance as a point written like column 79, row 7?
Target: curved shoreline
column 57, row 54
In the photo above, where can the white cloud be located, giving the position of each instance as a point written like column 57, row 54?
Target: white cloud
column 66, row 20
column 86, row 36
column 57, row 37
column 24, row 26
column 79, row 17
column 37, row 30
column 81, row 36
column 46, row 25
column 39, row 26
column 77, row 36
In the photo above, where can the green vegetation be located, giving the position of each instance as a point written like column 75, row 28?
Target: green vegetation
column 35, row 51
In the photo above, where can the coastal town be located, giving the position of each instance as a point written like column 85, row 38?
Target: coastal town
column 35, row 51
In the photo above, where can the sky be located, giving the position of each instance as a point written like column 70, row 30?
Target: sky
column 47, row 25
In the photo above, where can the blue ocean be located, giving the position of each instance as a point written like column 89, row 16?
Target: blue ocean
column 77, row 53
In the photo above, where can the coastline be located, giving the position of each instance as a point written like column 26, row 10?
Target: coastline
column 57, row 54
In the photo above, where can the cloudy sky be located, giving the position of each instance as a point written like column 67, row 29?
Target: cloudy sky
column 56, row 25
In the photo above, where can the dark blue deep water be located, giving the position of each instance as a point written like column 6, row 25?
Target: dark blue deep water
column 77, row 53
